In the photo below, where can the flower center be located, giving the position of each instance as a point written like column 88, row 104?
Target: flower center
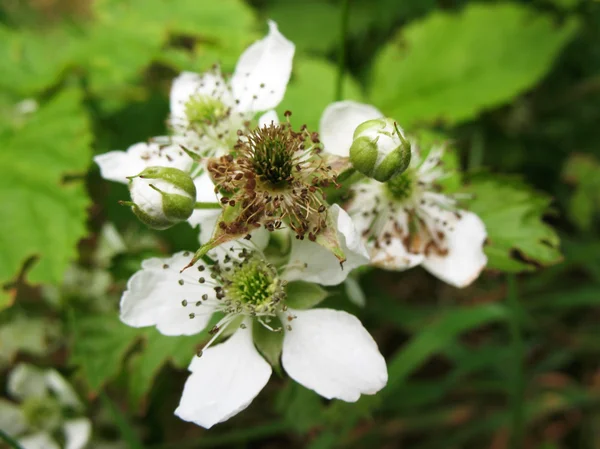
column 275, row 176
column 273, row 158
column 253, row 283
column 204, row 110
column 43, row 413
column 402, row 187
column 250, row 285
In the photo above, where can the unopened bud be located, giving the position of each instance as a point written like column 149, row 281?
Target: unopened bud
column 162, row 196
column 379, row 149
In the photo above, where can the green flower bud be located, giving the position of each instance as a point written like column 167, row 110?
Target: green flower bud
column 162, row 196
column 379, row 149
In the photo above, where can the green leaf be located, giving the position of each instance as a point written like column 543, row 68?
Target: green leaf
column 518, row 239
column 311, row 89
column 435, row 337
column 100, row 343
column 44, row 216
column 128, row 35
column 451, row 66
column 26, row 64
column 293, row 18
column 269, row 343
column 583, row 171
column 304, row 295
column 159, row 349
column 301, row 407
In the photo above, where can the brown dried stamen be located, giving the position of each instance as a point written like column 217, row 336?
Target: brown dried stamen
column 276, row 178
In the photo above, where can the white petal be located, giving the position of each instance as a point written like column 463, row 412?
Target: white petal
column 187, row 84
column 338, row 122
column 224, row 381
column 393, row 256
column 12, row 420
column 77, row 433
column 312, row 263
column 154, row 297
column 263, row 71
column 330, row 352
column 63, row 390
column 25, row 381
column 268, row 118
column 38, row 441
column 465, row 258
column 118, row 165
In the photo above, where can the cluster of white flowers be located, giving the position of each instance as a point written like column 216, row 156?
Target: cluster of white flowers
column 47, row 410
column 268, row 236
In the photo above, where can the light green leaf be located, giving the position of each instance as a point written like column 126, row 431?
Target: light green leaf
column 435, row 337
column 518, row 239
column 451, row 66
column 293, row 18
column 304, row 295
column 311, row 89
column 128, row 35
column 100, row 343
column 43, row 215
column 26, row 64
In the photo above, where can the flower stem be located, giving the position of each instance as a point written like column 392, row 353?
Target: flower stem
column 8, row 440
column 518, row 382
column 201, row 205
column 339, row 87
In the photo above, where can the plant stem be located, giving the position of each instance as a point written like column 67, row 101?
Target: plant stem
column 339, row 87
column 8, row 440
column 476, row 150
column 127, row 432
column 201, row 205
column 518, row 381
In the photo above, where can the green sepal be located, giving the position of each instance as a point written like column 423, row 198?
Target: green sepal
column 152, row 222
column 229, row 215
column 178, row 207
column 328, row 239
column 394, row 163
column 269, row 343
column 304, row 295
column 173, row 176
column 363, row 154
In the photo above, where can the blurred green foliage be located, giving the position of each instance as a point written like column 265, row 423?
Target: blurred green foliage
column 514, row 85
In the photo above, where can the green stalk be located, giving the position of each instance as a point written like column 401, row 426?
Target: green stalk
column 8, row 440
column 201, row 205
column 517, row 394
column 339, row 87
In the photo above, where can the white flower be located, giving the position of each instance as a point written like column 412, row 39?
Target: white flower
column 325, row 350
column 207, row 110
column 405, row 221
column 45, row 396
column 206, row 113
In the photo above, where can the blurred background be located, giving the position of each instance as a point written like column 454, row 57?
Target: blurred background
column 510, row 362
